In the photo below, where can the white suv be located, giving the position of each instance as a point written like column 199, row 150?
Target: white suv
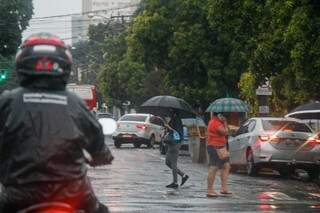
column 138, row 129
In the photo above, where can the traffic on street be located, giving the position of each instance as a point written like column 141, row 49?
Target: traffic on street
column 159, row 106
column 136, row 181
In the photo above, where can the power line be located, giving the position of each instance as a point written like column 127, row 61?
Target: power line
column 83, row 13
column 46, row 22
column 42, row 22
column 57, row 28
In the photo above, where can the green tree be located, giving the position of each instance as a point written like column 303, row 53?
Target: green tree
column 14, row 19
column 112, row 82
column 11, row 80
column 247, row 86
column 87, row 57
column 288, row 52
column 202, row 46
column 169, row 36
column 202, row 49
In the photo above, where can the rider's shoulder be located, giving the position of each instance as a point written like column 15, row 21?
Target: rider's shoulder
column 75, row 98
column 11, row 94
column 72, row 95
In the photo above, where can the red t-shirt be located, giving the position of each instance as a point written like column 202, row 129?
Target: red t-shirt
column 214, row 138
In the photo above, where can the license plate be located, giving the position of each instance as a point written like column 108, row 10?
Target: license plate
column 294, row 143
column 127, row 136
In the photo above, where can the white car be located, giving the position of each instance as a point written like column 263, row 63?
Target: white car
column 281, row 143
column 138, row 129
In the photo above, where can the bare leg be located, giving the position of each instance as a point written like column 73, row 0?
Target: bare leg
column 212, row 170
column 224, row 173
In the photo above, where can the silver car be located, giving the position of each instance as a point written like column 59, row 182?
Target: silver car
column 138, row 129
column 280, row 143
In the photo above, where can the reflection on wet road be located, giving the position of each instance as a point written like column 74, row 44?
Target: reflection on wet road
column 136, row 182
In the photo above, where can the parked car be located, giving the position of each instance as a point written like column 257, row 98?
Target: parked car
column 280, row 143
column 139, row 129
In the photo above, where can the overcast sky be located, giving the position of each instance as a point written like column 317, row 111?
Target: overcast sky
column 59, row 26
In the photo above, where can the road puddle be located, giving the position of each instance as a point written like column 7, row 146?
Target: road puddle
column 275, row 196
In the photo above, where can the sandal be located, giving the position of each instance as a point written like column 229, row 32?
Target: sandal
column 225, row 193
column 213, row 194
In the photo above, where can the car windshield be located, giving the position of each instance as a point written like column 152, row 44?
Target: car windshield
column 140, row 118
column 275, row 125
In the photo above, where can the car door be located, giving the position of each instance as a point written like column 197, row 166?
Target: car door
column 162, row 128
column 238, row 144
column 157, row 127
column 246, row 141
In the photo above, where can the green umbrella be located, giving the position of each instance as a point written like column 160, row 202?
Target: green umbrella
column 228, row 105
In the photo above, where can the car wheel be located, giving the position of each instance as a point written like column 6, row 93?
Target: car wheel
column 151, row 141
column 137, row 144
column 252, row 168
column 285, row 172
column 117, row 144
column 313, row 174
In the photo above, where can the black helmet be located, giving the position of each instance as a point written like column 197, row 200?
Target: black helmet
column 43, row 54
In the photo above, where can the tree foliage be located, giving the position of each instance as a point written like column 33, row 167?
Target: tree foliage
column 201, row 50
column 289, row 52
column 14, row 19
column 247, row 86
column 11, row 81
column 117, row 75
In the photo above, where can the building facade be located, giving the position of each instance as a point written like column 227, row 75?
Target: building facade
column 97, row 11
column 78, row 28
column 111, row 7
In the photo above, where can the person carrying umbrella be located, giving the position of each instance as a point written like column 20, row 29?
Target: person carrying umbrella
column 175, row 125
column 217, row 140
column 176, row 108
column 218, row 154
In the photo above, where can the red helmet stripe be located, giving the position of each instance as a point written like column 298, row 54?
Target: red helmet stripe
column 55, row 41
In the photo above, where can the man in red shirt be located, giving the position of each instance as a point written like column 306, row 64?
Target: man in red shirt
column 218, row 155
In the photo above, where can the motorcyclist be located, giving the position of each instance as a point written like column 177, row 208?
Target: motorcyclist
column 43, row 131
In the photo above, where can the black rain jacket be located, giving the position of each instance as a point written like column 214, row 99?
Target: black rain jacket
column 43, row 132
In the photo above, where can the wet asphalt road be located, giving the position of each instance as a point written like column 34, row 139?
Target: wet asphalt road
column 136, row 181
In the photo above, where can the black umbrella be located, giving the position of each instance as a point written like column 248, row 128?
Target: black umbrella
column 162, row 105
column 306, row 111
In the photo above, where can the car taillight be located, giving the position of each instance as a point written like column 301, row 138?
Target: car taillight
column 274, row 138
column 141, row 126
column 264, row 138
column 314, row 141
